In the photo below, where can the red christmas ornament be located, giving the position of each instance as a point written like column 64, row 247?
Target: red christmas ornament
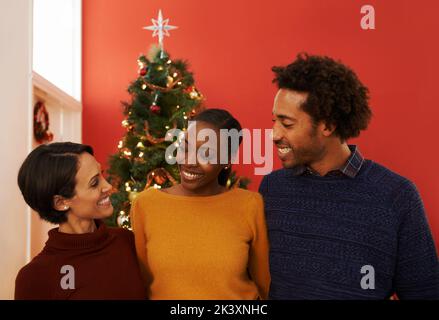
column 189, row 89
column 155, row 109
column 143, row 71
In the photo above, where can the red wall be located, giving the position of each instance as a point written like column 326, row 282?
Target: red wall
column 232, row 44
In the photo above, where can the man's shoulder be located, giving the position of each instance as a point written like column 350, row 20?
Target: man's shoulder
column 275, row 181
column 382, row 175
column 277, row 174
column 391, row 185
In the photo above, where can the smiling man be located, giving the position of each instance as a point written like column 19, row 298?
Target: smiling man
column 340, row 226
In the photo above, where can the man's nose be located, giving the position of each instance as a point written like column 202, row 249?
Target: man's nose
column 275, row 134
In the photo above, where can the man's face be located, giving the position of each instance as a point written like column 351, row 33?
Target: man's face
column 298, row 141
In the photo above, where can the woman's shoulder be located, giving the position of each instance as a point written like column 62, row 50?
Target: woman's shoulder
column 148, row 194
column 124, row 238
column 252, row 201
column 122, row 233
column 247, row 195
column 155, row 197
column 145, row 199
column 32, row 279
column 248, row 202
column 40, row 263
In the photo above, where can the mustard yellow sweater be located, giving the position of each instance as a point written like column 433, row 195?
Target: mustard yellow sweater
column 212, row 247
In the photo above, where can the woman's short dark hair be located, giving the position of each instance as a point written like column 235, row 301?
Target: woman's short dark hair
column 221, row 119
column 47, row 171
column 335, row 94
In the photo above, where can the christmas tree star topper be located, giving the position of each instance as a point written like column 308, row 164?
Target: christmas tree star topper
column 160, row 28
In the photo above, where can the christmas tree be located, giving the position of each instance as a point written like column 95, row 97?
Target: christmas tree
column 163, row 97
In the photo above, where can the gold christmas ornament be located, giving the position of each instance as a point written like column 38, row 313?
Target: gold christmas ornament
column 169, row 81
column 193, row 95
column 133, row 195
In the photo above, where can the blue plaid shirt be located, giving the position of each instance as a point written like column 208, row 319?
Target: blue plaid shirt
column 350, row 168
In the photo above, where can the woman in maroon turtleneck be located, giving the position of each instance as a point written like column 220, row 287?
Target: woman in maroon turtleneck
column 82, row 259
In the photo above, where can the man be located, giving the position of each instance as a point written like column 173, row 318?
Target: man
column 340, row 226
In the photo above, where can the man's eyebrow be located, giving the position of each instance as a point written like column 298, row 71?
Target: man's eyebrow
column 285, row 117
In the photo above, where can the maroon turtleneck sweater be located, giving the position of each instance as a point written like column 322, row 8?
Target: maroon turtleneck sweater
column 104, row 264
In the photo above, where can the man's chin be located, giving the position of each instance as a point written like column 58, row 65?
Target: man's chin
column 288, row 164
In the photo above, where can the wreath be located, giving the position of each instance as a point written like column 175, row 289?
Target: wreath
column 41, row 123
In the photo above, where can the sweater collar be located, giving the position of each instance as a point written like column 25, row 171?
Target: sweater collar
column 350, row 169
column 61, row 240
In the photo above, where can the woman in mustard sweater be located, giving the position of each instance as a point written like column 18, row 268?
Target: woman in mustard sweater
column 197, row 239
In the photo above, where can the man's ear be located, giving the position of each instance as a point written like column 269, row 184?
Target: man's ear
column 60, row 203
column 328, row 129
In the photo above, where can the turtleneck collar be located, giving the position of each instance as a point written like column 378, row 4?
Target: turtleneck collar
column 59, row 240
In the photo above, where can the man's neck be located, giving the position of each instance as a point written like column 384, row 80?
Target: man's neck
column 334, row 158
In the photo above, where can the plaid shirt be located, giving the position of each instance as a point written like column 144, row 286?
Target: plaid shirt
column 350, row 168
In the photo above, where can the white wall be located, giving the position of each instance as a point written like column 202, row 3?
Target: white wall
column 65, row 124
column 57, row 43
column 15, row 136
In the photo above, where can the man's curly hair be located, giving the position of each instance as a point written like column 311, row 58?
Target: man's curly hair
column 335, row 94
